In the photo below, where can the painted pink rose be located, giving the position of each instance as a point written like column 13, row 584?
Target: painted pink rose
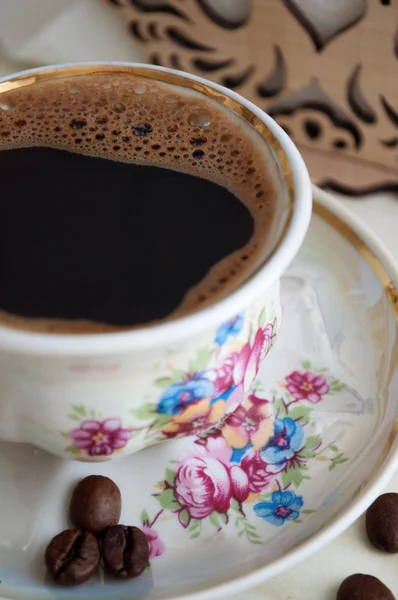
column 204, row 484
column 99, row 438
column 156, row 546
column 256, row 470
column 250, row 356
column 216, row 447
column 307, row 386
column 222, row 376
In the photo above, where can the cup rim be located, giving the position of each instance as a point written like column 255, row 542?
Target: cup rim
column 169, row 332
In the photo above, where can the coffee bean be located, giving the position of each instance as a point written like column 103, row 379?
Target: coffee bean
column 125, row 551
column 96, row 504
column 382, row 522
column 363, row 587
column 72, row 557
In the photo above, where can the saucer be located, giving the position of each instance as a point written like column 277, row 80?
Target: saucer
column 311, row 447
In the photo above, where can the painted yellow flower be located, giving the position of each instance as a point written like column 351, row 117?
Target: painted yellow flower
column 250, row 422
column 196, row 417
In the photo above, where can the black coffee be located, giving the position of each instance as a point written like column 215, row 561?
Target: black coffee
column 116, row 203
column 91, row 238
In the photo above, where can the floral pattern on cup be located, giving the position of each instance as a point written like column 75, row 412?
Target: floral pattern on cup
column 251, row 466
column 194, row 400
column 230, row 328
column 191, row 401
column 95, row 436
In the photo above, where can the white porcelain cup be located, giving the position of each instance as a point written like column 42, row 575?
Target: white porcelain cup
column 100, row 396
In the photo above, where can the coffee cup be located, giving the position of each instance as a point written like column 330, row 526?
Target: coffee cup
column 91, row 389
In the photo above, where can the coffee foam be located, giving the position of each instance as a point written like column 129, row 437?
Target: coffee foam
column 126, row 118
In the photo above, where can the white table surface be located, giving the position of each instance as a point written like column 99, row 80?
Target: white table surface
column 25, row 43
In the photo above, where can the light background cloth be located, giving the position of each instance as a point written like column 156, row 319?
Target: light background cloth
column 39, row 32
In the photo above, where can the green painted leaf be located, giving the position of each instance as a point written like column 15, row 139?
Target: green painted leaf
column 337, row 387
column 184, row 517
column 293, row 476
column 263, row 318
column 161, row 421
column 256, row 542
column 71, row 449
column 170, row 476
column 307, row 453
column 218, row 519
column 334, row 448
column 241, row 533
column 297, row 521
column 144, row 516
column 177, row 376
column 167, row 500
column 145, row 412
column 64, row 435
column 214, row 520
column 252, row 534
column 308, row 512
column 312, row 441
column 195, row 535
column 335, row 458
column 300, row 413
column 257, row 385
column 223, row 518
column 235, row 506
column 163, row 382
column 332, row 466
column 80, row 410
column 195, row 524
column 74, row 417
column 201, row 360
column 280, row 408
column 306, row 364
column 92, row 413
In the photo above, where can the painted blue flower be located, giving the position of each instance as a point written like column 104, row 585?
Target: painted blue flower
column 179, row 395
column 283, row 506
column 231, row 327
column 287, row 439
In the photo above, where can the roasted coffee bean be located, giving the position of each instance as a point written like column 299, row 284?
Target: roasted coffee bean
column 72, row 557
column 96, row 504
column 382, row 522
column 125, row 551
column 363, row 587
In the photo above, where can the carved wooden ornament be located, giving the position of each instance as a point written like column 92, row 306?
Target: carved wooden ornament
column 326, row 70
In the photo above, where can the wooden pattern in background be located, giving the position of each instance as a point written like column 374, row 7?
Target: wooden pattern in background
column 326, row 70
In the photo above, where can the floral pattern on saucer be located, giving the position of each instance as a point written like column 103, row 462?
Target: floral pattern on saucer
column 252, row 467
